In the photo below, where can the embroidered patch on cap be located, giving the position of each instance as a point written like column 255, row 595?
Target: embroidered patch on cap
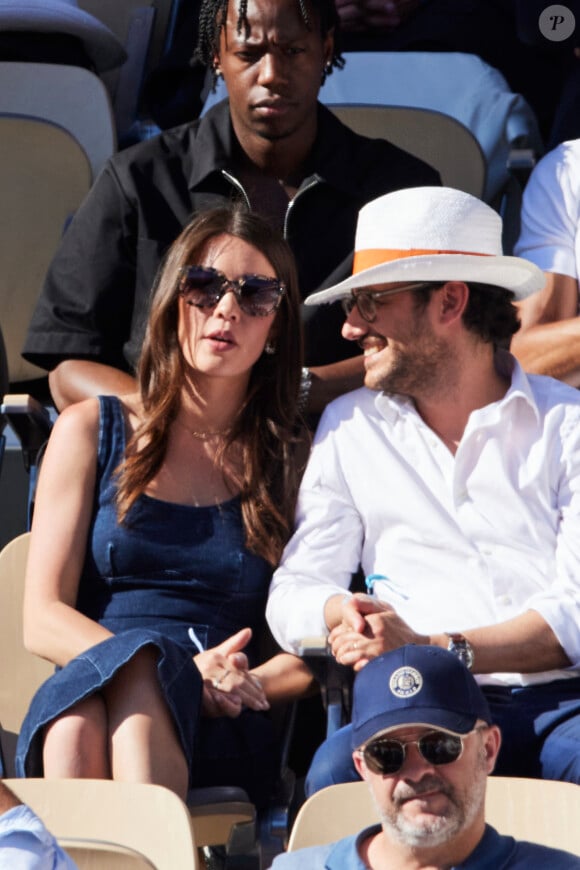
column 405, row 682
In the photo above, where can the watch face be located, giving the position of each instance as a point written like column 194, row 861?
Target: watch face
column 466, row 656
column 461, row 647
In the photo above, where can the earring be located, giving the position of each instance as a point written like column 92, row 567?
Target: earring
column 270, row 348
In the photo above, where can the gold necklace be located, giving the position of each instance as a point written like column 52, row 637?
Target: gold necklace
column 204, row 434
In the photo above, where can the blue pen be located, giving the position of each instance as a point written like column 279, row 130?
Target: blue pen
column 391, row 585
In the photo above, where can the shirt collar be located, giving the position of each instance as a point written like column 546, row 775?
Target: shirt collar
column 520, row 387
column 394, row 406
column 214, row 142
column 344, row 855
column 490, row 853
column 211, row 144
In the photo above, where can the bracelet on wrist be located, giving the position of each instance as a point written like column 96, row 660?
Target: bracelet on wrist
column 304, row 389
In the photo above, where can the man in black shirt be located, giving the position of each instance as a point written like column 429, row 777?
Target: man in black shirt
column 273, row 145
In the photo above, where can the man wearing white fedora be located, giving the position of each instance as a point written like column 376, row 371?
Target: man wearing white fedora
column 452, row 479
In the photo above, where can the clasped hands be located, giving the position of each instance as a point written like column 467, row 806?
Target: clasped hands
column 369, row 627
column 228, row 683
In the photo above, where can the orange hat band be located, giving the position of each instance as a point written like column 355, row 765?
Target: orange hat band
column 376, row 256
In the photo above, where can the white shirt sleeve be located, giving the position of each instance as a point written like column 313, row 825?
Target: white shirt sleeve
column 550, row 212
column 324, row 551
column 25, row 843
column 559, row 601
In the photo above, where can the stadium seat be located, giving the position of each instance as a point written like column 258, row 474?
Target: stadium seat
column 149, row 820
column 44, row 175
column 438, row 139
column 70, row 97
column 145, row 28
column 22, row 672
column 541, row 811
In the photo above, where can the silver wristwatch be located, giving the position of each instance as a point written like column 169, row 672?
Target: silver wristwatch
column 460, row 646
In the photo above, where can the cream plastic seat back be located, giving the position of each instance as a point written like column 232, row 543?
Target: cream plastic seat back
column 70, row 97
column 22, row 673
column 44, row 176
column 484, row 103
column 438, row 139
column 96, row 855
column 148, row 819
column 541, row 811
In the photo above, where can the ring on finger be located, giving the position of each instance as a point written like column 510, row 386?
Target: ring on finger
column 217, row 680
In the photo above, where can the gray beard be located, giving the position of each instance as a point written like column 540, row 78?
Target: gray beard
column 439, row 829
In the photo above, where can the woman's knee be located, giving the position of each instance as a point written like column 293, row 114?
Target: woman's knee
column 75, row 743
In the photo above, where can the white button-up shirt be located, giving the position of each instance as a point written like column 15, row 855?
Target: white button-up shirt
column 467, row 540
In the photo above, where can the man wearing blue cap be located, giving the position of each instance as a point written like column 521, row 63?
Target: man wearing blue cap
column 424, row 743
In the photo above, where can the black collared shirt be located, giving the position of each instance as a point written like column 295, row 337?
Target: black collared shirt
column 96, row 294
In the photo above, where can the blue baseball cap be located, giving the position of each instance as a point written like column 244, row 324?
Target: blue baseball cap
column 415, row 685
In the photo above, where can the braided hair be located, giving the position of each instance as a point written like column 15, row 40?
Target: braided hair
column 212, row 20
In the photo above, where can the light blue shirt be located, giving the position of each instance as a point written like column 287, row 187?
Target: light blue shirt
column 25, row 843
column 494, row 852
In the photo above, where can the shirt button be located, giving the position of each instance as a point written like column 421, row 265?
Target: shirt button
column 505, row 600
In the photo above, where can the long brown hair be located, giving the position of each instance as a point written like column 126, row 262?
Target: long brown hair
column 266, row 426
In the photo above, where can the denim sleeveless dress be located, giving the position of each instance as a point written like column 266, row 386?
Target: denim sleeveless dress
column 180, row 578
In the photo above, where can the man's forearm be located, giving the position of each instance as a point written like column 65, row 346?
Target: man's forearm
column 525, row 644
column 74, row 380
column 548, row 342
column 551, row 349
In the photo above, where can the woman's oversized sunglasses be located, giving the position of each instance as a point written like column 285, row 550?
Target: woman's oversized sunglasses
column 203, row 287
column 386, row 755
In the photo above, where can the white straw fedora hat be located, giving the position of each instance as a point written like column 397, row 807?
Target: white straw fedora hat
column 64, row 16
column 432, row 234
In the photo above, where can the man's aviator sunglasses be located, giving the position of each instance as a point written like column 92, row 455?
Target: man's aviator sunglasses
column 257, row 295
column 386, row 755
column 366, row 300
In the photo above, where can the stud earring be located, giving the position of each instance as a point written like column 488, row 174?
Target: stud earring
column 270, row 348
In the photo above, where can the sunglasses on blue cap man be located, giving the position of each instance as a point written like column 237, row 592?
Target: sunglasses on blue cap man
column 421, row 686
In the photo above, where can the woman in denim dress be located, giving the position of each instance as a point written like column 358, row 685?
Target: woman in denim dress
column 159, row 518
